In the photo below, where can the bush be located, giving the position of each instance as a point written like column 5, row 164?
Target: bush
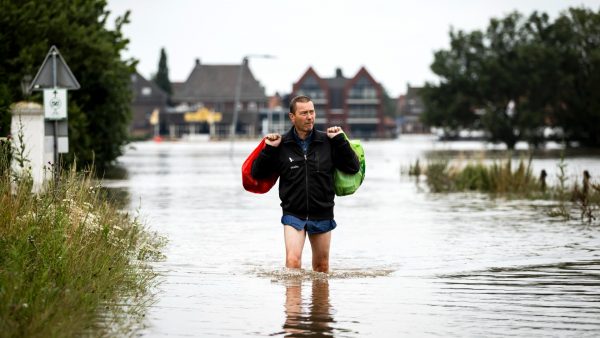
column 497, row 178
column 68, row 258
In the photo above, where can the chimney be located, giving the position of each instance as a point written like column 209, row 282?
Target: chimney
column 338, row 73
column 197, row 62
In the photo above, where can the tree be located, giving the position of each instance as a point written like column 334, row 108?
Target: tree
column 576, row 36
column 99, row 113
column 162, row 76
column 451, row 103
column 519, row 76
column 389, row 104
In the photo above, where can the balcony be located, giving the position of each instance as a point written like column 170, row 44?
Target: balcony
column 373, row 100
column 363, row 120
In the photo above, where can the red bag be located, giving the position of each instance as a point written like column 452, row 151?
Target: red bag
column 251, row 184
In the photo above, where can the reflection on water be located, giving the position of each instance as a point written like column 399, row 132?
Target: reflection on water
column 403, row 262
column 311, row 318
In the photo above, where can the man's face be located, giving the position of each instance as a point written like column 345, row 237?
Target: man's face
column 304, row 117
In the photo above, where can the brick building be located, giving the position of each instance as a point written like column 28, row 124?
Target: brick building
column 355, row 103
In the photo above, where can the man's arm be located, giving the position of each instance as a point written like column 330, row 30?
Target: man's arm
column 266, row 162
column 344, row 158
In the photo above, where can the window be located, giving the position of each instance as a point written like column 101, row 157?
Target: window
column 310, row 87
column 363, row 89
column 363, row 111
column 252, row 106
column 146, row 91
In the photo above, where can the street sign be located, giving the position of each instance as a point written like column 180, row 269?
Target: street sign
column 55, row 78
column 61, row 128
column 53, row 73
column 55, row 104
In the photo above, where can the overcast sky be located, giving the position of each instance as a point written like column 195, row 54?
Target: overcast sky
column 394, row 40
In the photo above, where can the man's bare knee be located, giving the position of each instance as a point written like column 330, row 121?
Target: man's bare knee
column 320, row 248
column 321, row 266
column 293, row 262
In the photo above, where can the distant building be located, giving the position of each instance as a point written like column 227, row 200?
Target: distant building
column 147, row 98
column 274, row 118
column 355, row 104
column 410, row 111
column 213, row 88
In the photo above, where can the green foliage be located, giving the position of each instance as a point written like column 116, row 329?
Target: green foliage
column 576, row 35
column 5, row 101
column 5, row 157
column 438, row 177
column 99, row 113
column 162, row 75
column 69, row 260
column 547, row 71
column 502, row 179
column 415, row 170
column 389, row 105
column 561, row 193
column 497, row 178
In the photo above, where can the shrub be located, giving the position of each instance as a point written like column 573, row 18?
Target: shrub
column 68, row 258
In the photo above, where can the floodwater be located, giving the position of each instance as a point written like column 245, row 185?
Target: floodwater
column 404, row 262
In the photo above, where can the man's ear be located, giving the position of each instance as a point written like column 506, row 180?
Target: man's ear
column 291, row 116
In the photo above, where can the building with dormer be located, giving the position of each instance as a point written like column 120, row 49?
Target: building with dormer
column 213, row 87
column 354, row 103
column 148, row 98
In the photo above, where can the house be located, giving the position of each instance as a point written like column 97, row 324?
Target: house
column 212, row 88
column 148, row 98
column 274, row 119
column 410, row 110
column 355, row 103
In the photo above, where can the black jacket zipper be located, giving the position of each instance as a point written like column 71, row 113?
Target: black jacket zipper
column 306, row 182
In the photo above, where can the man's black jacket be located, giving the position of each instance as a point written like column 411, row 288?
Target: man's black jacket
column 306, row 181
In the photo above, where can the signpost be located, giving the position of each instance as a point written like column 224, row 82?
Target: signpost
column 55, row 78
column 55, row 104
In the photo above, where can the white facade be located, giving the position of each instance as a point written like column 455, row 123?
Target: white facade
column 28, row 121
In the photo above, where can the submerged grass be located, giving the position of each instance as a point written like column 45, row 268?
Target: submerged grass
column 501, row 178
column 497, row 178
column 71, row 263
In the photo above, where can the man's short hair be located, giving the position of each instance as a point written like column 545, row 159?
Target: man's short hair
column 299, row 98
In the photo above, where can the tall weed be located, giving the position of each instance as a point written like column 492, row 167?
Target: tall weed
column 69, row 259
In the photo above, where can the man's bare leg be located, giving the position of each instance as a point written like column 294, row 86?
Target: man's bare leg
column 320, row 251
column 294, row 243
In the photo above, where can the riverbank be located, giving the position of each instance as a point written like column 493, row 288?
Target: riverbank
column 70, row 260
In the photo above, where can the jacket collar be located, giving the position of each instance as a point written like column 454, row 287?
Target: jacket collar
column 318, row 136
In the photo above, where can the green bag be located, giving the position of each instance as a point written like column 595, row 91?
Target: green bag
column 346, row 184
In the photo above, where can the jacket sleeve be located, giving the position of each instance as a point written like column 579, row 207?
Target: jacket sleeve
column 266, row 162
column 344, row 158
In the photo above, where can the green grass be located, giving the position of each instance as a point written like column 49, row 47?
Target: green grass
column 70, row 260
column 501, row 178
column 497, row 178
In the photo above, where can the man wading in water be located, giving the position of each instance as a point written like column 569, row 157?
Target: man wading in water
column 305, row 160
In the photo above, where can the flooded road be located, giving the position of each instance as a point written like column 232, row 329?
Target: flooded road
column 404, row 262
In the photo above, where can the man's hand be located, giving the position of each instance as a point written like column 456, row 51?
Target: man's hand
column 273, row 139
column 333, row 131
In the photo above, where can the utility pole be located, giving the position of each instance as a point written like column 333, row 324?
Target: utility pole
column 238, row 94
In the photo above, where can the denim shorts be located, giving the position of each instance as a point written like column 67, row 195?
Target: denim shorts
column 311, row 227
